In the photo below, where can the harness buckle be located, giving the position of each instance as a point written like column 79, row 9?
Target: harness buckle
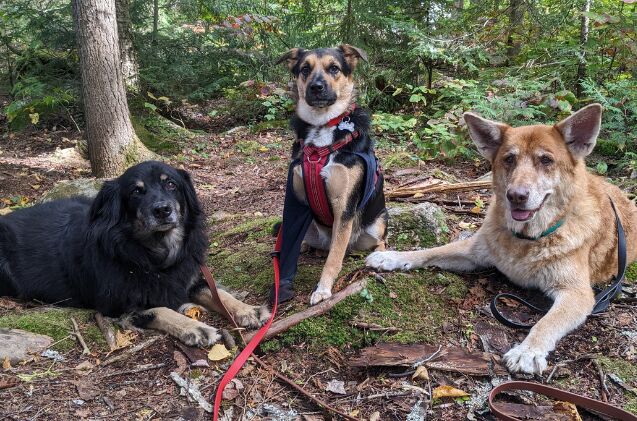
column 314, row 154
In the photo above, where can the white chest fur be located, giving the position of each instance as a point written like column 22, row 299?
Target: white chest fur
column 320, row 136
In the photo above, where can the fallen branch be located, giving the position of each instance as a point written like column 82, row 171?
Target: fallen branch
column 439, row 188
column 107, row 331
column 374, row 327
column 132, row 350
column 321, row 308
column 141, row 368
column 79, row 337
column 603, row 390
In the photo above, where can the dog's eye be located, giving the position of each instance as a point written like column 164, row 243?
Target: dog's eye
column 305, row 70
column 137, row 190
column 546, row 160
column 333, row 69
column 170, row 185
column 509, row 159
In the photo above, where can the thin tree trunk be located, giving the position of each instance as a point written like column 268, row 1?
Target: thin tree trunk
column 130, row 67
column 155, row 21
column 516, row 17
column 348, row 23
column 112, row 143
column 583, row 40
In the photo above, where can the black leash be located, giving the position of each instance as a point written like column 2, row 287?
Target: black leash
column 602, row 299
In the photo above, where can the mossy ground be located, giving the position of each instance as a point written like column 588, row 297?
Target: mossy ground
column 56, row 323
column 627, row 371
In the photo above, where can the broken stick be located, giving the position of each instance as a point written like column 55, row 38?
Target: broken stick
column 79, row 337
column 439, row 188
column 132, row 350
column 321, row 308
column 107, row 331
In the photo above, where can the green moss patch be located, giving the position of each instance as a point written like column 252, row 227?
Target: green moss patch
column 56, row 323
column 420, row 226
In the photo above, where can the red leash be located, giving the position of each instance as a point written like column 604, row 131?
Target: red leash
column 252, row 345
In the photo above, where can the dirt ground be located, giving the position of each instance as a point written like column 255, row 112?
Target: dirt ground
column 240, row 178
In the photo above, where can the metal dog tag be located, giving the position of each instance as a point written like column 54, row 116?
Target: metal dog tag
column 346, row 125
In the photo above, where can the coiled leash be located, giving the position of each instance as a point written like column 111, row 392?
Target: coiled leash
column 243, row 356
column 593, row 405
column 602, row 299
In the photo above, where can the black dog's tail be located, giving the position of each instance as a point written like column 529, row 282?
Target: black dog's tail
column 275, row 228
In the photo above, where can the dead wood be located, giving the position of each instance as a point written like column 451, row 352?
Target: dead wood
column 107, row 331
column 141, row 368
column 79, row 337
column 132, row 350
column 439, row 188
column 281, row 326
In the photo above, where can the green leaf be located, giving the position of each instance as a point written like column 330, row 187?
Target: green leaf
column 150, row 106
column 35, row 117
column 601, row 168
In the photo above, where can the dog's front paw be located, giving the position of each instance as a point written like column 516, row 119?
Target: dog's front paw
column 522, row 358
column 199, row 334
column 319, row 295
column 388, row 260
column 252, row 317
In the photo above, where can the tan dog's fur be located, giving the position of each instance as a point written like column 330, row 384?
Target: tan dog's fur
column 549, row 161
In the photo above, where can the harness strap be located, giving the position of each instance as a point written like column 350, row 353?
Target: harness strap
column 594, row 405
column 243, row 356
column 602, row 299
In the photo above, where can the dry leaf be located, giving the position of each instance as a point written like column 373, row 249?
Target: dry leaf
column 568, row 408
column 417, row 195
column 180, row 360
column 476, row 209
column 336, row 386
column 218, row 352
column 84, row 367
column 193, row 312
column 448, row 392
column 6, row 364
column 421, row 373
column 123, row 339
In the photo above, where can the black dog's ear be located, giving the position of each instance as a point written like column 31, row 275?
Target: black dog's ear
column 190, row 194
column 292, row 57
column 107, row 205
column 352, row 54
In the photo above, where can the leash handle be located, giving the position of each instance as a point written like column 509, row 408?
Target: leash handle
column 587, row 403
column 508, row 322
column 243, row 356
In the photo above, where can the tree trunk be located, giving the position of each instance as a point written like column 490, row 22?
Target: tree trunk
column 516, row 16
column 348, row 24
column 155, row 21
column 583, row 40
column 112, row 143
column 130, row 67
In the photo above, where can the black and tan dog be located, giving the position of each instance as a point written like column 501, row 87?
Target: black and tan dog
column 337, row 204
column 133, row 251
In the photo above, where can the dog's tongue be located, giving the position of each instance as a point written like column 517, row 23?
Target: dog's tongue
column 521, row 215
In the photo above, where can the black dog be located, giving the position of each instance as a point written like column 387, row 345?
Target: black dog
column 133, row 251
column 334, row 197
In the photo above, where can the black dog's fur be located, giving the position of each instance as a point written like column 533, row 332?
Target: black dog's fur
column 134, row 250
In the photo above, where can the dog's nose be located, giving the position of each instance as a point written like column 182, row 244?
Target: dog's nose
column 518, row 195
column 162, row 210
column 317, row 87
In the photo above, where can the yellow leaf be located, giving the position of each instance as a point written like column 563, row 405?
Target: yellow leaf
column 6, row 364
column 35, row 186
column 218, row 352
column 150, row 95
column 569, row 409
column 35, row 117
column 476, row 209
column 193, row 313
column 263, row 149
column 448, row 392
column 417, row 195
column 421, row 373
column 354, row 413
column 164, row 99
column 123, row 339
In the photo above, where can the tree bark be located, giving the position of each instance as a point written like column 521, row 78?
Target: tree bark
column 155, row 21
column 130, row 66
column 516, row 17
column 112, row 143
column 583, row 40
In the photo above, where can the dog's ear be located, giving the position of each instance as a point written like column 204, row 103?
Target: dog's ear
column 352, row 54
column 190, row 195
column 580, row 130
column 486, row 134
column 291, row 57
column 106, row 207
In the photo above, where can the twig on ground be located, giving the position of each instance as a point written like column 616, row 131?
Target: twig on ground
column 141, row 368
column 79, row 337
column 439, row 188
column 373, row 327
column 321, row 308
column 192, row 391
column 107, row 330
column 603, row 390
column 429, row 358
column 565, row 362
column 132, row 350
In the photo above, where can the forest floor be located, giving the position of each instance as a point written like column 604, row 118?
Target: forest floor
column 240, row 179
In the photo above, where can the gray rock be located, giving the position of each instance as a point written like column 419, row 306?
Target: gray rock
column 68, row 188
column 416, row 226
column 19, row 345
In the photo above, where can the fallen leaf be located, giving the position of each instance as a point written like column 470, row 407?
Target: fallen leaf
column 421, row 373
column 180, row 360
column 354, row 413
column 417, row 195
column 6, row 364
column 336, row 386
column 84, row 367
column 124, row 339
column 218, row 352
column 194, row 313
column 448, row 392
column 476, row 209
column 35, row 186
column 86, row 389
column 569, row 409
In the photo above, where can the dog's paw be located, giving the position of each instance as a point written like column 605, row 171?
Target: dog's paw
column 319, row 295
column 252, row 317
column 524, row 359
column 388, row 260
column 199, row 334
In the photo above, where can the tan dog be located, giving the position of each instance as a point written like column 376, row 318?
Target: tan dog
column 539, row 179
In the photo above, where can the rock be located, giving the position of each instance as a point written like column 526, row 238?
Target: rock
column 19, row 345
column 416, row 226
column 68, row 188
